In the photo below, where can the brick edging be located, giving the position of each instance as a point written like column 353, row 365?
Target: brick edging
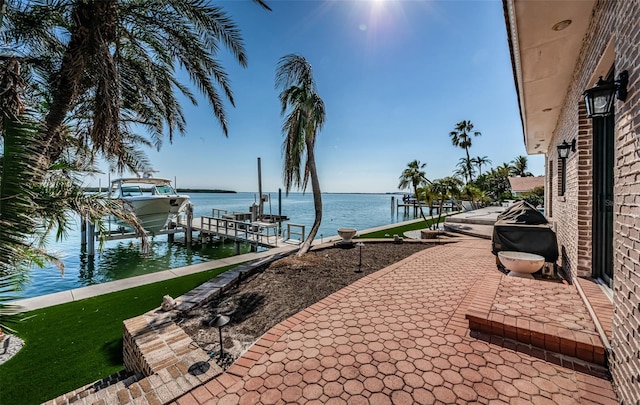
column 545, row 336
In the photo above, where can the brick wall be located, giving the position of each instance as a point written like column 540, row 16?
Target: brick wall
column 626, row 334
column 617, row 20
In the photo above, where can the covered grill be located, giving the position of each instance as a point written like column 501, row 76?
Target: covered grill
column 522, row 228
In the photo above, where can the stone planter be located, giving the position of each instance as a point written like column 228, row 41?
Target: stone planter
column 428, row 234
column 346, row 234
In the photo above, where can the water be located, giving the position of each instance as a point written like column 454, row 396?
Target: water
column 123, row 258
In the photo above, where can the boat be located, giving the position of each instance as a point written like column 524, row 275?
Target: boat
column 153, row 200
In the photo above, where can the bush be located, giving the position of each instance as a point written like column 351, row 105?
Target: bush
column 534, row 197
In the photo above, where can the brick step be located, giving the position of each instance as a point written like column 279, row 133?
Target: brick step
column 580, row 344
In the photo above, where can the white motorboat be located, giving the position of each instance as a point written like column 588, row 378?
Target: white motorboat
column 154, row 201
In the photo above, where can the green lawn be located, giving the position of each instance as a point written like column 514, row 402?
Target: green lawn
column 400, row 230
column 70, row 345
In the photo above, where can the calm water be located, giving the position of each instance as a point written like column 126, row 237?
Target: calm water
column 123, row 258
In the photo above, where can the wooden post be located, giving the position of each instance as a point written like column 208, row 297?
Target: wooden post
column 392, row 203
column 261, row 203
column 172, row 225
column 279, row 214
column 83, row 232
column 91, row 239
column 188, row 233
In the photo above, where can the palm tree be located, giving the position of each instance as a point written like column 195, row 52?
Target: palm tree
column 497, row 181
column 111, row 63
column 519, row 167
column 305, row 116
column 480, row 161
column 94, row 68
column 448, row 187
column 413, row 177
column 464, row 170
column 461, row 137
column 34, row 199
column 472, row 193
column 430, row 195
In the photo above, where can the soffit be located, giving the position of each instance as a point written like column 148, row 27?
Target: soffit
column 544, row 61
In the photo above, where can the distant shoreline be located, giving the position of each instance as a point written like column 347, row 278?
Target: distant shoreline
column 204, row 190
column 180, row 190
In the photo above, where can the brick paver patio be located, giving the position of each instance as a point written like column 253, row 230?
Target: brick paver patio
column 399, row 336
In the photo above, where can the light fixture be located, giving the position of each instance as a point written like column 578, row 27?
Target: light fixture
column 564, row 148
column 561, row 25
column 219, row 322
column 599, row 99
column 360, row 245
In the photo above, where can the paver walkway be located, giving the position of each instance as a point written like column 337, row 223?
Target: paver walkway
column 398, row 336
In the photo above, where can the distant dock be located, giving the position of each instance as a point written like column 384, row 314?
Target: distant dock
column 412, row 204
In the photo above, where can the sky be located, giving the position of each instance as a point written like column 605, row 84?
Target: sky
column 395, row 76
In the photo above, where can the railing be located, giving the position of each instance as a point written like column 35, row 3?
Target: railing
column 294, row 230
column 217, row 213
column 250, row 232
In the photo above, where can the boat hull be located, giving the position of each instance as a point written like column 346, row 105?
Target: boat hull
column 154, row 212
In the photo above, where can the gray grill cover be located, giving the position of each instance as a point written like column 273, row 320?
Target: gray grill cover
column 522, row 228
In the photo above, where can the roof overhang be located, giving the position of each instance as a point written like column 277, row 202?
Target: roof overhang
column 544, row 58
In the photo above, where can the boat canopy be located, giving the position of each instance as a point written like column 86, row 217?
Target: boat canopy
column 142, row 180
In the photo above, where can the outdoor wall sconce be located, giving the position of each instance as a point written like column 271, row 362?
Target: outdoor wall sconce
column 564, row 148
column 599, row 99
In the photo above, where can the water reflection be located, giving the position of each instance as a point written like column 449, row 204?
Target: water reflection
column 123, row 259
column 126, row 259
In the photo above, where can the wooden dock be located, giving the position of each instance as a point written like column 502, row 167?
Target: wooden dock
column 222, row 226
column 261, row 234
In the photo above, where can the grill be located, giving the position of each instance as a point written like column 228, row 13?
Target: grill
column 522, row 228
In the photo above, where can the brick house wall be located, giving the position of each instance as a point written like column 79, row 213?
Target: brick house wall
column 614, row 24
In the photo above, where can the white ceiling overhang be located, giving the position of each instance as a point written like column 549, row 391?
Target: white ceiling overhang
column 544, row 59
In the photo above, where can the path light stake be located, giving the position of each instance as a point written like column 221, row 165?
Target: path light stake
column 219, row 322
column 360, row 245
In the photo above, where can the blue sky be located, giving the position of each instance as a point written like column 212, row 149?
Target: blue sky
column 395, row 76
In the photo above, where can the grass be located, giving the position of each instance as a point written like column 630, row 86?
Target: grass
column 70, row 345
column 400, row 230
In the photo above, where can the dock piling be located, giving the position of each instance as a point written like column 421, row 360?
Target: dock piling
column 91, row 238
column 83, row 232
column 189, row 231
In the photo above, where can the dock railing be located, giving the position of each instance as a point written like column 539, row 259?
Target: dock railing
column 238, row 230
column 294, row 234
column 217, row 213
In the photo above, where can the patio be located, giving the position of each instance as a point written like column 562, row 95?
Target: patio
column 401, row 335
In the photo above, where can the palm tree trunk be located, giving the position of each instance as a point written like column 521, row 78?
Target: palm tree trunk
column 440, row 212
column 415, row 192
column 469, row 165
column 317, row 201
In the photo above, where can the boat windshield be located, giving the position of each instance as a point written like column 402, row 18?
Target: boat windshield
column 164, row 189
column 129, row 191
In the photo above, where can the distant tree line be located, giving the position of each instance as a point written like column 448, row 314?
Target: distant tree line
column 469, row 181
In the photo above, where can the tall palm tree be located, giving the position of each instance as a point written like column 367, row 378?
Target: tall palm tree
column 413, row 177
column 480, row 161
column 304, row 117
column 111, row 63
column 519, row 167
column 94, row 67
column 461, row 137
